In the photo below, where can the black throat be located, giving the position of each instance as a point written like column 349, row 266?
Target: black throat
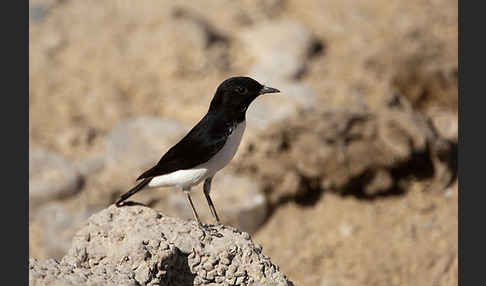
column 226, row 116
column 229, row 114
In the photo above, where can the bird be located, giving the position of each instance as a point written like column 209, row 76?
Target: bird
column 208, row 147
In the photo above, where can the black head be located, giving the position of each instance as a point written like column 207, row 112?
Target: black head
column 235, row 94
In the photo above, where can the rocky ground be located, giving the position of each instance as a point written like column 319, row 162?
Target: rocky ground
column 347, row 177
column 136, row 245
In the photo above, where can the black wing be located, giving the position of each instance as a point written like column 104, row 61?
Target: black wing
column 198, row 146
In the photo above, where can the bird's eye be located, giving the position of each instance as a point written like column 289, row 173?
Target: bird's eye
column 241, row 90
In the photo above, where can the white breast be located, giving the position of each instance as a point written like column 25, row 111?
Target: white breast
column 190, row 177
column 224, row 156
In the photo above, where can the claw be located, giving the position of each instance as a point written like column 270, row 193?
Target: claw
column 211, row 231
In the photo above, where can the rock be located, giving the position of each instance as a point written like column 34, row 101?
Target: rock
column 353, row 151
column 51, row 177
column 239, row 201
column 135, row 245
column 141, row 141
column 281, row 47
column 59, row 224
column 285, row 147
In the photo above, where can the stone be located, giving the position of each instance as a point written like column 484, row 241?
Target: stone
column 51, row 177
column 135, row 245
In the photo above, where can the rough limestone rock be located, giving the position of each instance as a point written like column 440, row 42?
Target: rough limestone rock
column 136, row 245
column 139, row 142
column 51, row 177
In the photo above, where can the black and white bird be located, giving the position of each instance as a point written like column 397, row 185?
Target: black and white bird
column 209, row 146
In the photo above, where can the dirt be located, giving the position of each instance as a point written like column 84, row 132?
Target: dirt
column 93, row 64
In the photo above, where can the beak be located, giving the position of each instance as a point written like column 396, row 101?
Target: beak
column 267, row 89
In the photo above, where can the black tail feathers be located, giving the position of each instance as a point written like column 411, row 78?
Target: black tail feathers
column 132, row 191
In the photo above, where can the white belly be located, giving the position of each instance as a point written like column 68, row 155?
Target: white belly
column 181, row 178
column 191, row 177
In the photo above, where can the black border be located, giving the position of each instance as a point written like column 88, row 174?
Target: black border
column 471, row 187
column 15, row 100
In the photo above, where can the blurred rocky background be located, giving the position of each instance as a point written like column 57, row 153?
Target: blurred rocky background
column 348, row 177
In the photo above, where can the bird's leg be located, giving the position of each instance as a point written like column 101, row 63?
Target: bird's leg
column 196, row 216
column 207, row 189
column 187, row 190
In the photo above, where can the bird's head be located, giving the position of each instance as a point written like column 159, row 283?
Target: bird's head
column 236, row 93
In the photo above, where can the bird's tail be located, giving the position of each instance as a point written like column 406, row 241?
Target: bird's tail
column 132, row 191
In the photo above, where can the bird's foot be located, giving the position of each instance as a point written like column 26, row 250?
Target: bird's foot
column 209, row 229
